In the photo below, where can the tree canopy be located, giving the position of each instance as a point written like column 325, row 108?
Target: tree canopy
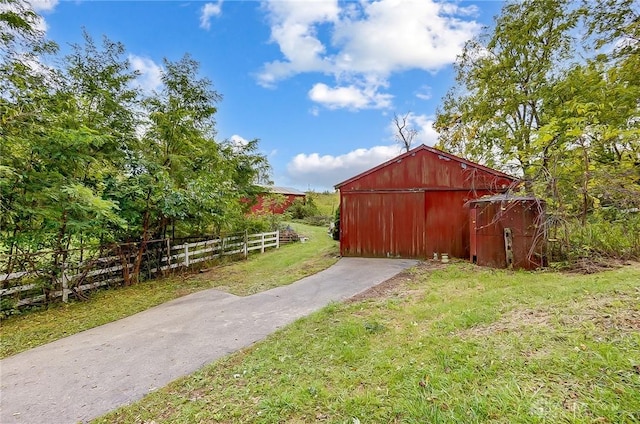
column 551, row 94
column 87, row 158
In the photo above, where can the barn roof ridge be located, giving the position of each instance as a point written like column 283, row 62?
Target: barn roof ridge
column 431, row 150
column 281, row 190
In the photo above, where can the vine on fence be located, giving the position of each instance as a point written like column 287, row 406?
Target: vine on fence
column 37, row 279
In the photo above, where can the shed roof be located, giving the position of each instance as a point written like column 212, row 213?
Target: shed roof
column 431, row 150
column 505, row 197
column 282, row 190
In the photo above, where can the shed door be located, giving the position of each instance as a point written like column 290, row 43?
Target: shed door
column 473, row 244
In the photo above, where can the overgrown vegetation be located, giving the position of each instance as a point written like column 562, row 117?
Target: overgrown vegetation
column 551, row 93
column 260, row 272
column 316, row 209
column 451, row 344
column 88, row 158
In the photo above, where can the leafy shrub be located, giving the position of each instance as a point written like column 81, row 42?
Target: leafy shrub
column 301, row 209
column 615, row 239
column 335, row 231
column 259, row 223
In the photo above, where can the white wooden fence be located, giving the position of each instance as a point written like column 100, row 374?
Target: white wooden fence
column 106, row 271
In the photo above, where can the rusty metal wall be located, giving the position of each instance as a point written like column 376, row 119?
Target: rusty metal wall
column 382, row 224
column 424, row 169
column 447, row 223
column 524, row 218
column 413, row 206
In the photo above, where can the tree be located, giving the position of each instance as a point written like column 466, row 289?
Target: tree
column 405, row 133
column 73, row 169
column 567, row 123
column 507, row 78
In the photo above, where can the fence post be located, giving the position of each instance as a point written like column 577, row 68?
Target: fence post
column 277, row 239
column 65, row 283
column 168, row 254
column 261, row 242
column 186, row 255
column 246, row 243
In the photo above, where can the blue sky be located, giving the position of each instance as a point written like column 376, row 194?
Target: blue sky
column 318, row 82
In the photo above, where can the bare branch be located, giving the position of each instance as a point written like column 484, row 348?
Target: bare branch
column 405, row 133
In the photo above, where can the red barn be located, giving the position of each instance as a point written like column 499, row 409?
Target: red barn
column 414, row 205
column 285, row 195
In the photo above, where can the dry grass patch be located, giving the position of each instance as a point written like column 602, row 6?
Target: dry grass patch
column 617, row 311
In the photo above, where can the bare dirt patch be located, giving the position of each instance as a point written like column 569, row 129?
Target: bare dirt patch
column 595, row 264
column 396, row 286
column 618, row 311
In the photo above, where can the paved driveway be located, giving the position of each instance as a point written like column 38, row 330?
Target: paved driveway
column 88, row 374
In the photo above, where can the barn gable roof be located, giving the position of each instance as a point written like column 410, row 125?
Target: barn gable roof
column 281, row 190
column 434, row 151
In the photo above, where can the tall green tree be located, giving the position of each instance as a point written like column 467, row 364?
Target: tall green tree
column 26, row 92
column 563, row 115
column 506, row 79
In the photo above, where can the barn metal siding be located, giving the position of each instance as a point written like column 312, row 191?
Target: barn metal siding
column 524, row 216
column 424, row 169
column 382, row 224
column 414, row 205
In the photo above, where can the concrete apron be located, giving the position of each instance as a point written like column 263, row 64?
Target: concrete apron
column 91, row 373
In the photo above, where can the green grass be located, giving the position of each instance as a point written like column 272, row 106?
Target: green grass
column 327, row 202
column 458, row 344
column 260, row 272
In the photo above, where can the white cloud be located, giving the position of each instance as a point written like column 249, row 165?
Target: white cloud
column 325, row 171
column 424, row 93
column 208, row 11
column 150, row 77
column 350, row 97
column 362, row 44
column 395, row 35
column 294, row 29
column 43, row 5
column 238, row 142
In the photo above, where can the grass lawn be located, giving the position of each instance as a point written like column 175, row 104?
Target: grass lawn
column 261, row 272
column 327, row 203
column 435, row 344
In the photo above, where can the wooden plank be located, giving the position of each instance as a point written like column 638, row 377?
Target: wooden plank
column 13, row 275
column 212, row 249
column 18, row 289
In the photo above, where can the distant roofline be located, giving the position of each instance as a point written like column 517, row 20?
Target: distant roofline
column 282, row 190
column 432, row 150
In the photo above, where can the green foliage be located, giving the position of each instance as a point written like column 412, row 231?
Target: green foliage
column 327, row 202
column 259, row 222
column 568, row 124
column 317, row 220
column 300, row 209
column 335, row 231
column 86, row 158
column 605, row 238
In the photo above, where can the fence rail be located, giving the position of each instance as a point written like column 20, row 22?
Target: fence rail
column 38, row 286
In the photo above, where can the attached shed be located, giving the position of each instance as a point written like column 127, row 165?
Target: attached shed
column 414, row 205
column 264, row 200
column 508, row 232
